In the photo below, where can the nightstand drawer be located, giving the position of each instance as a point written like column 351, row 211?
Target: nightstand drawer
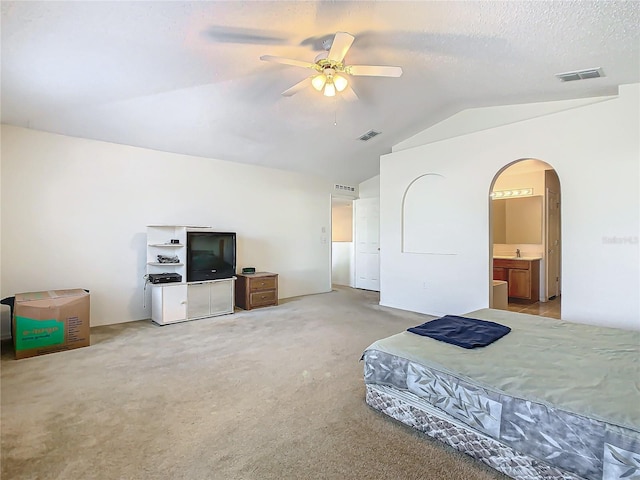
column 263, row 283
column 266, row 297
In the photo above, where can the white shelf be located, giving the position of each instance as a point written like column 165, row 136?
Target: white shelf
column 166, row 245
column 161, row 264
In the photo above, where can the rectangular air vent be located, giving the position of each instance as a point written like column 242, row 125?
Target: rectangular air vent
column 580, row 74
column 369, row 135
column 344, row 188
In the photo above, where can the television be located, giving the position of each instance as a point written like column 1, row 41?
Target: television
column 210, row 255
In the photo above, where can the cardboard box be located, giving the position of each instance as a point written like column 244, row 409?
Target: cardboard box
column 52, row 321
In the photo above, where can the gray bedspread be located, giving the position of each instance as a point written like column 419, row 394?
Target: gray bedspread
column 565, row 393
column 591, row 371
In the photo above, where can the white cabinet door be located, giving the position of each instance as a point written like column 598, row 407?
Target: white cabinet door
column 169, row 303
column 198, row 295
column 222, row 296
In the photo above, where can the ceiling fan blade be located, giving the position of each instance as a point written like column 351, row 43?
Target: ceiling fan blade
column 243, row 35
column 341, row 44
column 301, row 85
column 373, row 70
column 348, row 94
column 289, row 61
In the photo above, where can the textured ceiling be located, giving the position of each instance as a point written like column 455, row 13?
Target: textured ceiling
column 186, row 77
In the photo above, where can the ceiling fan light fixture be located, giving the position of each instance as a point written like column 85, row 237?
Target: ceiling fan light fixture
column 340, row 82
column 319, row 82
column 329, row 90
column 330, row 74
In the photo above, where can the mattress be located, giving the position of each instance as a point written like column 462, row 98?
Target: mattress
column 551, row 399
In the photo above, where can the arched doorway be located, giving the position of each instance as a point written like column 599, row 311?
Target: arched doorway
column 525, row 238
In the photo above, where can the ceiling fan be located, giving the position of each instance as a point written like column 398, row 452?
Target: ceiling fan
column 330, row 70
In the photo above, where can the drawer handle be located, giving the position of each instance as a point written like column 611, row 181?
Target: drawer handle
column 262, row 284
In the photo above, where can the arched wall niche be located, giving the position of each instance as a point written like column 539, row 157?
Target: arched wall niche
column 428, row 205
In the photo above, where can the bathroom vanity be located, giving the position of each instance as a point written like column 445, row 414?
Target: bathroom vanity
column 522, row 276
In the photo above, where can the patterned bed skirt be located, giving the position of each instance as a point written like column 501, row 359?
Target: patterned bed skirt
column 410, row 410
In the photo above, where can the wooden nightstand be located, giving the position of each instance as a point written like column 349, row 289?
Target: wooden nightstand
column 255, row 290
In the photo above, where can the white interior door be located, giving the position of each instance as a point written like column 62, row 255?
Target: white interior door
column 367, row 239
column 553, row 244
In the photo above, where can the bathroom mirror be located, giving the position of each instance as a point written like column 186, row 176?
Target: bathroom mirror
column 517, row 220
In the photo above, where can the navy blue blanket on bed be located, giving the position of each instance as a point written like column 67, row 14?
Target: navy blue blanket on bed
column 462, row 331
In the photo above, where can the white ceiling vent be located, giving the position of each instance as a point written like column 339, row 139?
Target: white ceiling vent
column 580, row 74
column 344, row 188
column 369, row 135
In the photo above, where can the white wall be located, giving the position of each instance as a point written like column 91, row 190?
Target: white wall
column 342, row 242
column 370, row 188
column 595, row 150
column 342, row 267
column 342, row 221
column 74, row 215
column 477, row 119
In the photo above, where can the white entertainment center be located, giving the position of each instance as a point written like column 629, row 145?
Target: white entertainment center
column 182, row 301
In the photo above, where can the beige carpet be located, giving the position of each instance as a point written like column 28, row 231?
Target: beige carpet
column 274, row 393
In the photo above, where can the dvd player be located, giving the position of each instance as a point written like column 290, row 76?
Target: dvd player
column 164, row 277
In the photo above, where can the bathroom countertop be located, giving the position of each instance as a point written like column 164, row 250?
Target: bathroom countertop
column 513, row 257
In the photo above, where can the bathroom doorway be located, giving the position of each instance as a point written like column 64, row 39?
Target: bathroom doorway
column 525, row 238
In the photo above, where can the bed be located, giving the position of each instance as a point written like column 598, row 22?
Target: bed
column 550, row 399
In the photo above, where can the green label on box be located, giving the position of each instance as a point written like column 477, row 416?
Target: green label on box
column 32, row 333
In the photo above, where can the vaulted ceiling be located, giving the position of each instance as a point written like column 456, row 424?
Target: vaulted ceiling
column 186, row 77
